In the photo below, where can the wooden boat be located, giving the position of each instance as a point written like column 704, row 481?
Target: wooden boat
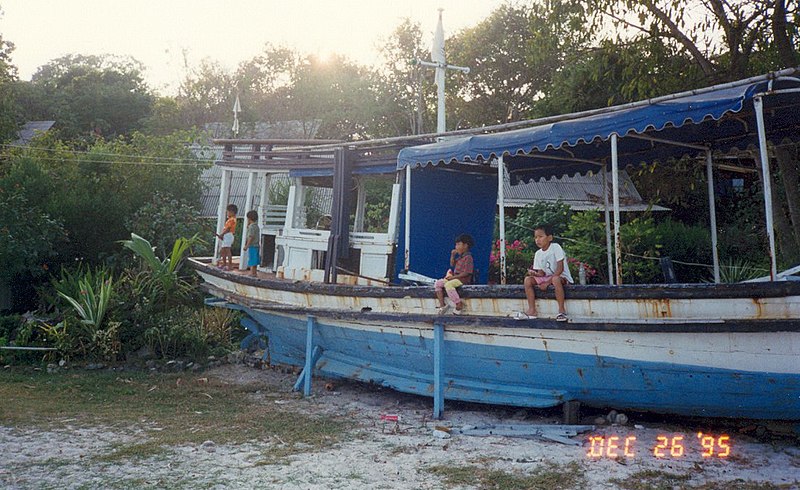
column 330, row 300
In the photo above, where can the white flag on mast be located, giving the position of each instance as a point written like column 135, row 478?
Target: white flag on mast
column 237, row 108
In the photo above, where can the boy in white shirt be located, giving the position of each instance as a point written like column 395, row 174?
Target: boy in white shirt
column 549, row 268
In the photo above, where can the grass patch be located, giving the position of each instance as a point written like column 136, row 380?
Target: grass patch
column 172, row 409
column 662, row 480
column 548, row 477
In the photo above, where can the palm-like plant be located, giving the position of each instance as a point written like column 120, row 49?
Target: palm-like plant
column 163, row 280
column 91, row 305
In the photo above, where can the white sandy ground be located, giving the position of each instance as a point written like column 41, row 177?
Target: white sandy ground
column 378, row 454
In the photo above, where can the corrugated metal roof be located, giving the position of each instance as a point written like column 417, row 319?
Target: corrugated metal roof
column 264, row 130
column 580, row 192
column 30, row 129
column 212, row 176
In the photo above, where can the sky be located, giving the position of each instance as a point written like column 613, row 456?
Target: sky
column 166, row 34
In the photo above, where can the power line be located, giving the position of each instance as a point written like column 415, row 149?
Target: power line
column 124, row 162
column 89, row 153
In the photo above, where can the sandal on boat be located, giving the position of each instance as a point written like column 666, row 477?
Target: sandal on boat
column 441, row 310
column 561, row 317
column 519, row 315
column 456, row 311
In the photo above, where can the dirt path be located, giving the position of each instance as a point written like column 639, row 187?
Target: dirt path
column 385, row 454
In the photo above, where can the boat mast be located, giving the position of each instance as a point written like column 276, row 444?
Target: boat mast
column 438, row 62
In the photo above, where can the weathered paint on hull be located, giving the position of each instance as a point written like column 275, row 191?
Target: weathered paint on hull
column 501, row 370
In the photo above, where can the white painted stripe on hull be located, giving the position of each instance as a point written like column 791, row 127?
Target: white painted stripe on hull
column 673, row 310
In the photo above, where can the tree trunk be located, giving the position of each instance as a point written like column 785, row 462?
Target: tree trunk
column 781, row 35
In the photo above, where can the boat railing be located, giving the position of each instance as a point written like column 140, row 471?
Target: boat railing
column 300, row 254
column 273, row 216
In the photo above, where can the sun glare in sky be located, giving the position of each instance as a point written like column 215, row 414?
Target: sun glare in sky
column 169, row 37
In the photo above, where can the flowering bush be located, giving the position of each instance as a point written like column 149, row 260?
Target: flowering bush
column 519, row 258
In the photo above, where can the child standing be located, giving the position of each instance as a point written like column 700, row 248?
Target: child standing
column 461, row 273
column 251, row 243
column 549, row 269
column 226, row 235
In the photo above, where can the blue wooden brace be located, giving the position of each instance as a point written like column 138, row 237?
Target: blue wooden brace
column 305, row 376
column 438, row 370
column 257, row 333
column 301, row 379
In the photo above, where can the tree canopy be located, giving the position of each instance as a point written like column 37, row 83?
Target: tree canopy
column 89, row 96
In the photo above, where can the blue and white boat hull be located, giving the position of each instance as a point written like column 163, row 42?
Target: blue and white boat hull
column 675, row 372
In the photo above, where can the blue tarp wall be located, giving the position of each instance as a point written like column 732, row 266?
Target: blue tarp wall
column 447, row 201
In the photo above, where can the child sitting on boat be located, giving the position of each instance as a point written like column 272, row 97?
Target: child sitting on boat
column 226, row 235
column 251, row 245
column 463, row 267
column 549, row 269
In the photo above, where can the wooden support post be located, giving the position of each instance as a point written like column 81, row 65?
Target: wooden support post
column 309, row 367
column 438, row 370
column 572, row 412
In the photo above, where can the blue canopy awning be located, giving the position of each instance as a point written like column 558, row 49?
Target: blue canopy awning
column 718, row 118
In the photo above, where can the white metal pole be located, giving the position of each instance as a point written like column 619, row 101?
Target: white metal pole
column 224, row 184
column 501, row 202
column 615, row 191
column 609, row 243
column 407, row 236
column 441, row 126
column 758, row 102
column 248, row 204
column 712, row 209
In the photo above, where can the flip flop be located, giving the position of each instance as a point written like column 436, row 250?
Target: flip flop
column 519, row 315
column 561, row 317
column 441, row 310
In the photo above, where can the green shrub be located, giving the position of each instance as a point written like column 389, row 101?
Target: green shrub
column 585, row 240
column 166, row 219
column 9, row 324
column 688, row 244
column 84, row 332
column 30, row 240
column 641, row 246
column 160, row 280
column 91, row 193
column 521, row 227
column 185, row 332
column 738, row 270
